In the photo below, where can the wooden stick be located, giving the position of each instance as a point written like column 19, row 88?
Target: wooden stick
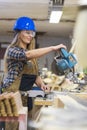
column 38, row 117
column 73, row 47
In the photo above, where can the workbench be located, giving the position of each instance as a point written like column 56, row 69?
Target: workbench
column 60, row 100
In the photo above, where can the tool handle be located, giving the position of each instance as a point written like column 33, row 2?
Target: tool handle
column 64, row 52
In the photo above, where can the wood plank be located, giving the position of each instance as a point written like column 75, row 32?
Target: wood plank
column 41, row 101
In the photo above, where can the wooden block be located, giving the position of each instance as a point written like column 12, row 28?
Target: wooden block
column 12, row 103
column 18, row 100
column 41, row 101
column 58, row 103
column 71, row 102
column 81, row 95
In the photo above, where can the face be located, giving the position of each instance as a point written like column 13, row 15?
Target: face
column 26, row 36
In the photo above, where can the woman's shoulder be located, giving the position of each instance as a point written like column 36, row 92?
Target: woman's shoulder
column 16, row 53
column 15, row 48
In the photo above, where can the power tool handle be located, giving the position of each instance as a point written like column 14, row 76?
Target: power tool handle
column 64, row 52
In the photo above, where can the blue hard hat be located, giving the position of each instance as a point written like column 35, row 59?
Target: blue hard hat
column 24, row 23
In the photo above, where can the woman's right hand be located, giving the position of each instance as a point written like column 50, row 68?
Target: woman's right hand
column 57, row 47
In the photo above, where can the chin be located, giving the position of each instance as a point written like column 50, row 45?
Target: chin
column 28, row 42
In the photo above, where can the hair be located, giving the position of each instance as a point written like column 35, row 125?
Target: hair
column 14, row 43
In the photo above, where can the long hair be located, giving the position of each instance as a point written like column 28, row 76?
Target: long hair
column 14, row 43
column 31, row 46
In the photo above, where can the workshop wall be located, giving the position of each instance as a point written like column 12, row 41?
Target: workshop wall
column 44, row 41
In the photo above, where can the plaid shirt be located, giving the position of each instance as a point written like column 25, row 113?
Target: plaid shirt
column 16, row 59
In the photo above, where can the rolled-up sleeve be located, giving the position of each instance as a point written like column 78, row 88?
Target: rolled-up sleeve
column 16, row 53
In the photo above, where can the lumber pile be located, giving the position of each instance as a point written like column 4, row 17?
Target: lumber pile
column 10, row 104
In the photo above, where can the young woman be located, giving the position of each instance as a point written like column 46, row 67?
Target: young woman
column 20, row 58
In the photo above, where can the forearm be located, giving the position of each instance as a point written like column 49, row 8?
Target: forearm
column 39, row 81
column 36, row 53
column 41, row 84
